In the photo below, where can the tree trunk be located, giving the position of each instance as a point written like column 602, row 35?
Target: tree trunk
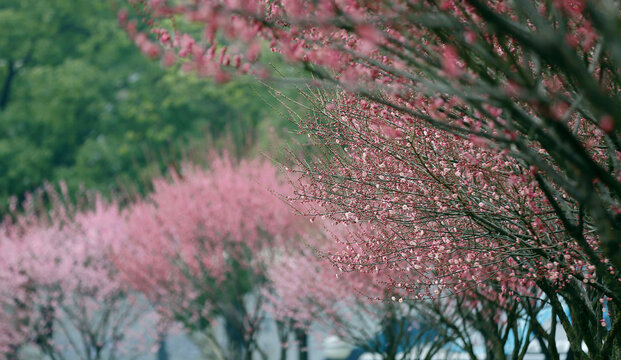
column 283, row 353
column 283, row 336
column 302, row 339
column 162, row 353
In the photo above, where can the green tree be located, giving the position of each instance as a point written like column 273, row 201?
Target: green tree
column 79, row 102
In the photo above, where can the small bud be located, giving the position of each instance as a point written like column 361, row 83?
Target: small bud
column 607, row 124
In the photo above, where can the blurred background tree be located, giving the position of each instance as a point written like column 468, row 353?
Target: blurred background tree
column 79, row 102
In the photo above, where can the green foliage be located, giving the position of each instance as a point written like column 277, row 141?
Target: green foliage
column 82, row 104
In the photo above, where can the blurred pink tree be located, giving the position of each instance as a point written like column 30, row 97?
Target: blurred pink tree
column 199, row 245
column 59, row 290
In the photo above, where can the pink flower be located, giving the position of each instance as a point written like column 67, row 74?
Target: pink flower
column 451, row 64
column 186, row 45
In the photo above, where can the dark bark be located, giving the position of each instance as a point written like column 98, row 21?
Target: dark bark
column 283, row 330
column 301, row 336
column 162, row 353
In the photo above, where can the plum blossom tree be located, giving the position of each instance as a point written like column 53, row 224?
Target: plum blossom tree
column 471, row 134
column 198, row 248
column 451, row 217
column 59, row 290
